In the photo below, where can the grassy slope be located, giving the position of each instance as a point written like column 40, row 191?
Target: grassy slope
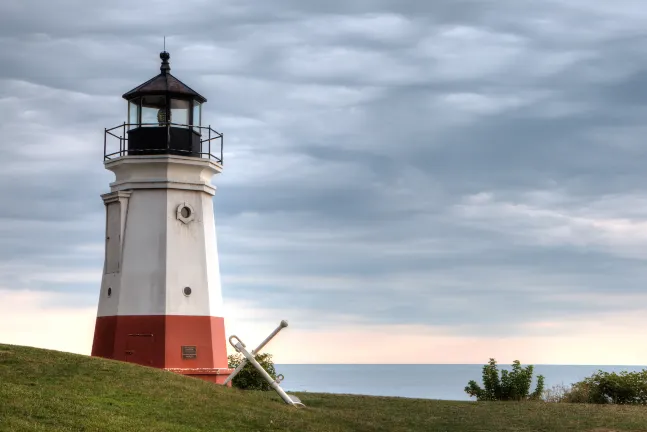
column 54, row 391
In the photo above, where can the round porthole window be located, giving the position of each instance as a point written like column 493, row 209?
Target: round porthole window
column 187, row 291
column 109, row 291
column 185, row 213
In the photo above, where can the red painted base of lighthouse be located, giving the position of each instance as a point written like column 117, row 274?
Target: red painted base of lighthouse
column 188, row 345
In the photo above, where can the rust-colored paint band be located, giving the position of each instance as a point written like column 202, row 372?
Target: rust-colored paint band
column 157, row 340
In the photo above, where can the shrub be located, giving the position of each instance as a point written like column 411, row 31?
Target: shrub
column 249, row 378
column 513, row 385
column 625, row 388
column 555, row 393
column 576, row 393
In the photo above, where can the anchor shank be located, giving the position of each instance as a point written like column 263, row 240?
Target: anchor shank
column 263, row 372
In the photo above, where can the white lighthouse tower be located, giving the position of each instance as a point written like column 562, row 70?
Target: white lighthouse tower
column 160, row 303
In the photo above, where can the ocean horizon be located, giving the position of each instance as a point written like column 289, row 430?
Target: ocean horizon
column 423, row 381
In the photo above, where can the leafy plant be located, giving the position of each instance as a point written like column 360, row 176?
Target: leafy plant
column 555, row 393
column 513, row 385
column 576, row 393
column 625, row 388
column 249, row 378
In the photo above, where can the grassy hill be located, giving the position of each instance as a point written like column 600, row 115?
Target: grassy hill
column 43, row 390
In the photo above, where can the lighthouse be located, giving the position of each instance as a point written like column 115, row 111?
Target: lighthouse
column 160, row 302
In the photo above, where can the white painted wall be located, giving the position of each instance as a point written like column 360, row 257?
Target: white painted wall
column 160, row 255
column 213, row 264
column 113, row 237
column 144, row 255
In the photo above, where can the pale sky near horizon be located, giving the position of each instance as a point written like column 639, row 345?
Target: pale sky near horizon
column 405, row 181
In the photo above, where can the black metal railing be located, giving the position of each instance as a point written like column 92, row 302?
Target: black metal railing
column 210, row 141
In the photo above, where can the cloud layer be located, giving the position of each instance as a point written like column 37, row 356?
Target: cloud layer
column 459, row 171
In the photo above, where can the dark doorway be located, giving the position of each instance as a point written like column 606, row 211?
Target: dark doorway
column 140, row 348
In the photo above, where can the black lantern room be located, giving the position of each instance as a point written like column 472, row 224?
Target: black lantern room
column 165, row 117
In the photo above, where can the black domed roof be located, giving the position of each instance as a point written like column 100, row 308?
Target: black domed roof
column 164, row 84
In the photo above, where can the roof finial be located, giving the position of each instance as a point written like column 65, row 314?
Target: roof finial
column 165, row 65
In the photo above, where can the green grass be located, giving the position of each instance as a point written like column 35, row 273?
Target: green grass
column 43, row 390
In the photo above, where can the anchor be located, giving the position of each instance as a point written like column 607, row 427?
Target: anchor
column 239, row 346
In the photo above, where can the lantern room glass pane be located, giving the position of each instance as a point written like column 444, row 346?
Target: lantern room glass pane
column 197, row 116
column 133, row 113
column 180, row 112
column 153, row 111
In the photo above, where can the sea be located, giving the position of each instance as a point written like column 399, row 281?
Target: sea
column 424, row 381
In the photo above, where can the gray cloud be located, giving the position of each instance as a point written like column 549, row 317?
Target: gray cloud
column 450, row 163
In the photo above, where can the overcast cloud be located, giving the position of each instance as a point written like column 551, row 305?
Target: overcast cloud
column 471, row 167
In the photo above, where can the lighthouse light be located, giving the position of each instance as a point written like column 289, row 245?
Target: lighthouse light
column 161, row 116
column 153, row 110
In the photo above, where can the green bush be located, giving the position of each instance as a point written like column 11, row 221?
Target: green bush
column 513, row 385
column 249, row 378
column 576, row 393
column 625, row 388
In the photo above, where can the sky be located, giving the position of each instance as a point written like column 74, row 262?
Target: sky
column 405, row 181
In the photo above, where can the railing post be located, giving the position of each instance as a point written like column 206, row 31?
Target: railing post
column 105, row 139
column 122, row 147
column 168, row 136
column 209, row 142
column 222, row 156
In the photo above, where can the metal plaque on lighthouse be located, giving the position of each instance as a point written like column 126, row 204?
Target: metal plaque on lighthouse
column 189, row 352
